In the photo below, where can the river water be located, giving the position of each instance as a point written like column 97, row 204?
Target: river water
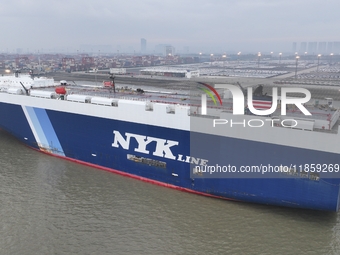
column 53, row 206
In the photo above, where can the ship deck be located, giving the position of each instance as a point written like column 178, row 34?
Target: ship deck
column 324, row 117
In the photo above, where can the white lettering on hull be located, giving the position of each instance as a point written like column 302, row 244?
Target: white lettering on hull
column 162, row 147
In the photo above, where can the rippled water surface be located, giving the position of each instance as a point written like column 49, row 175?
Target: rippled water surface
column 52, row 206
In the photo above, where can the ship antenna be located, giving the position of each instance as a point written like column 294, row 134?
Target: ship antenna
column 24, row 88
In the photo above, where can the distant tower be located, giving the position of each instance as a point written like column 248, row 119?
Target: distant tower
column 303, row 47
column 169, row 50
column 312, row 48
column 142, row 45
column 322, row 47
column 294, row 47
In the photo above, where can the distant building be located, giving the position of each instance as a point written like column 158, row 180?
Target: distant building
column 303, row 47
column 312, row 48
column 294, row 47
column 143, row 45
column 336, row 47
column 170, row 72
column 165, row 49
column 322, row 47
column 117, row 70
column 169, row 50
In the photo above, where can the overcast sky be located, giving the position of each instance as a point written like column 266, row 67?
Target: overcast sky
column 207, row 26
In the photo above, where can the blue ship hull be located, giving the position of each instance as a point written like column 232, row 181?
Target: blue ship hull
column 90, row 140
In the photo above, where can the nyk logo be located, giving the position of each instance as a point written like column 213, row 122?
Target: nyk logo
column 238, row 100
column 162, row 148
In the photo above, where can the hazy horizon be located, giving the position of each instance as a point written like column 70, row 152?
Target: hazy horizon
column 189, row 26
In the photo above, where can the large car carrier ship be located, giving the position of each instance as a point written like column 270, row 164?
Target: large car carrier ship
column 175, row 140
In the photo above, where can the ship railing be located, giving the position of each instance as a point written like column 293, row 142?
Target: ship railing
column 277, row 122
column 313, row 113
